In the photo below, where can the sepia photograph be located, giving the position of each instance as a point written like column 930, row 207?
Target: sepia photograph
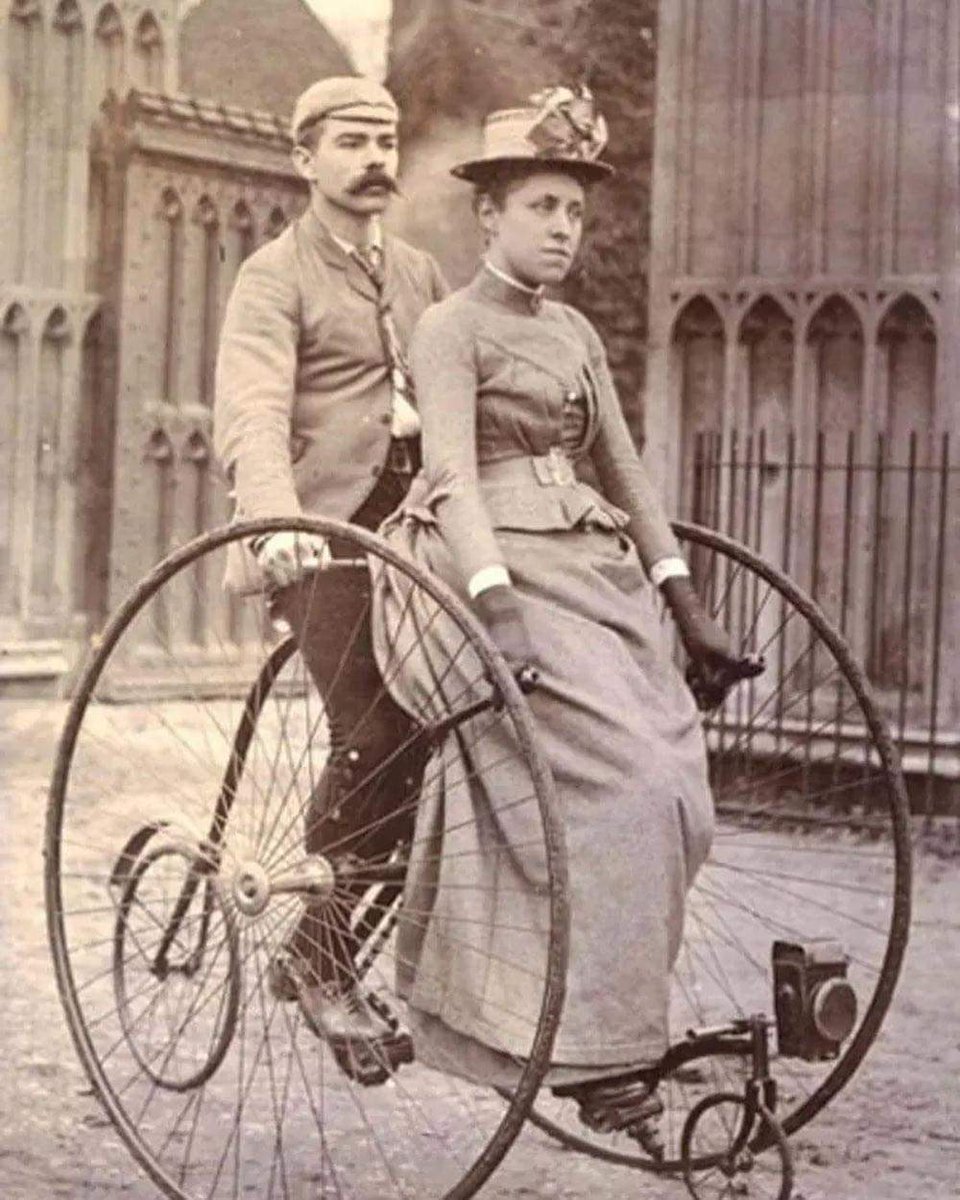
column 479, row 599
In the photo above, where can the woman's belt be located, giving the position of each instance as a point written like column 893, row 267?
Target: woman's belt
column 553, row 469
column 403, row 456
column 542, row 492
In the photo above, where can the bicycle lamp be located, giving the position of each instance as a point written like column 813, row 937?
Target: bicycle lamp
column 815, row 1006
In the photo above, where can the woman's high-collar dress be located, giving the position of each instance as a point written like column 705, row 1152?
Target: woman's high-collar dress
column 495, row 370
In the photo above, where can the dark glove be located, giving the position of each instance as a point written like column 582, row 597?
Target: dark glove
column 500, row 611
column 714, row 666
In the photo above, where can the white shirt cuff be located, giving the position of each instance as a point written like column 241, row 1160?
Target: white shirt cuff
column 486, row 578
column 668, row 568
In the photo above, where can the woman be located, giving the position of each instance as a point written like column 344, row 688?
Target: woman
column 516, row 399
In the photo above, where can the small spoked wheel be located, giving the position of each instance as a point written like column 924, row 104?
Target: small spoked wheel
column 176, row 975
column 812, row 842
column 262, row 885
column 730, row 1147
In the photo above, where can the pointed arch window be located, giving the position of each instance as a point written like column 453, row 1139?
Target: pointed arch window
column 698, row 334
column 46, row 534
column 14, row 330
column 67, row 16
column 238, row 239
column 699, row 340
column 904, row 500
column 148, row 52
column 208, row 219
column 25, row 69
column 171, row 214
column 95, row 465
column 766, row 333
column 835, row 337
column 834, row 402
column 65, row 132
column 25, row 10
column 908, row 341
column 760, row 504
column 241, row 222
column 109, row 50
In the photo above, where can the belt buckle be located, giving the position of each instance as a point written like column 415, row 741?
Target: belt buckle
column 400, row 457
column 559, row 467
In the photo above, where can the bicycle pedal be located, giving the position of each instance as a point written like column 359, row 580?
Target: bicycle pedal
column 371, row 1063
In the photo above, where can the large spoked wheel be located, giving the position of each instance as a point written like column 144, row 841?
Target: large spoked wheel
column 236, row 857
column 812, row 841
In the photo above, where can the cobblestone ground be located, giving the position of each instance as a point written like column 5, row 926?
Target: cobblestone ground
column 893, row 1134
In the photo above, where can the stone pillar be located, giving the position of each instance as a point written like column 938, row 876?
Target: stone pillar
column 60, row 57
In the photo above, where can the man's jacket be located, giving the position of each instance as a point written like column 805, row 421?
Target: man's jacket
column 303, row 392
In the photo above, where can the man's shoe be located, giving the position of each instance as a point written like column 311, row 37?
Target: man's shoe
column 366, row 1043
column 334, row 1011
column 285, row 971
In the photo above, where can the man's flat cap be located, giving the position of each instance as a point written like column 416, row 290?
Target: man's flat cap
column 351, row 97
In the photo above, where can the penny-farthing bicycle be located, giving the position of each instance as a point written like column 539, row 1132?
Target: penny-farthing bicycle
column 176, row 871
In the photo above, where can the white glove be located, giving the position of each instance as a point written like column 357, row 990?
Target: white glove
column 287, row 555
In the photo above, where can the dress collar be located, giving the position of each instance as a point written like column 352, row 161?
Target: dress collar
column 494, row 284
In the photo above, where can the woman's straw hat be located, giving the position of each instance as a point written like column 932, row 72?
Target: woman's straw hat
column 561, row 128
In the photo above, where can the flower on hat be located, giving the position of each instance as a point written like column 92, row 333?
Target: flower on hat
column 567, row 124
column 559, row 126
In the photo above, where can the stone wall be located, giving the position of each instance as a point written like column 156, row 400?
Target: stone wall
column 60, row 58
column 805, row 309
column 189, row 190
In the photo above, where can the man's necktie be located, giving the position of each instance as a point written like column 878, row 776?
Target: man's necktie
column 406, row 422
column 370, row 259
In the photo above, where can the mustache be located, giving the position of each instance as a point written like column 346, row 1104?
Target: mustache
column 373, row 179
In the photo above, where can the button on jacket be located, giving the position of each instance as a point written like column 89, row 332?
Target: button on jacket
column 303, row 390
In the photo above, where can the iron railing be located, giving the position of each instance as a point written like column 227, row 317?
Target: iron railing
column 870, row 527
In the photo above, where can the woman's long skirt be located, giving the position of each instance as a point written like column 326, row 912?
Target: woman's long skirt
column 624, row 743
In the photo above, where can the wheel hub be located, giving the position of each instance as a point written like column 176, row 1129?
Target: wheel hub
column 252, row 888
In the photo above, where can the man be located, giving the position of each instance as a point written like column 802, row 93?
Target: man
column 313, row 415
